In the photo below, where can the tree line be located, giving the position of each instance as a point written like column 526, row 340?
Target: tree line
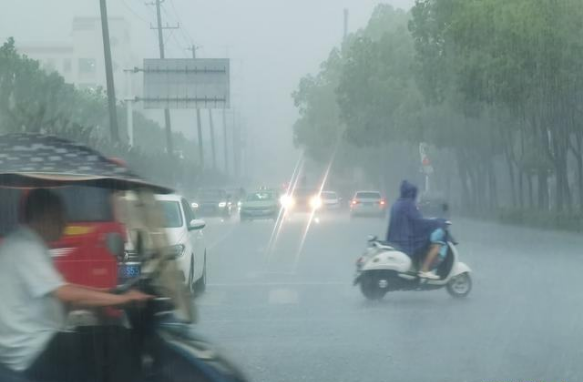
column 34, row 100
column 494, row 86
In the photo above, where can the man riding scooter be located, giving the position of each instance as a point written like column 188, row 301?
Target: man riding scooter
column 35, row 296
column 411, row 233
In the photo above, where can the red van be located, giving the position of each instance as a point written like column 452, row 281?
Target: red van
column 93, row 243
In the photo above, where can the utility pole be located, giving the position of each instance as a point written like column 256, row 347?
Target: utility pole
column 212, row 126
column 200, row 151
column 109, row 73
column 345, row 24
column 236, row 146
column 193, row 49
column 129, row 107
column 168, row 126
column 225, row 142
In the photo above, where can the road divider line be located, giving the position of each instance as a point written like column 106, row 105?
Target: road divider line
column 221, row 239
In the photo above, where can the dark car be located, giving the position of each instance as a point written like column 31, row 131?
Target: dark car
column 434, row 206
column 213, row 202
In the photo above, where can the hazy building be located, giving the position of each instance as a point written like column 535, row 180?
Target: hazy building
column 80, row 61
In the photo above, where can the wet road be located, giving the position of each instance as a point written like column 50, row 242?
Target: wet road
column 287, row 311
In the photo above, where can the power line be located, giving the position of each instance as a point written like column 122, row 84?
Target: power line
column 185, row 34
column 167, row 15
column 178, row 44
column 127, row 6
column 168, row 36
column 159, row 28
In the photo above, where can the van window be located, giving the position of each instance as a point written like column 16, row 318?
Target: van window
column 87, row 204
column 9, row 209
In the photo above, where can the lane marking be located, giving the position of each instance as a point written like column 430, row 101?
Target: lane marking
column 221, row 239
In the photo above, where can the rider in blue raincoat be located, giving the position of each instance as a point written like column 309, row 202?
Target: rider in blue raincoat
column 411, row 233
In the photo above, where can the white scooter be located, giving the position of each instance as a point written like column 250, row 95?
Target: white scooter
column 384, row 269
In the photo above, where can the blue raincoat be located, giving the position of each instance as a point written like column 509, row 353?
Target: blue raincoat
column 408, row 230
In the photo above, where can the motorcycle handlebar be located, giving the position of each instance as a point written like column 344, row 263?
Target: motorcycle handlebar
column 123, row 288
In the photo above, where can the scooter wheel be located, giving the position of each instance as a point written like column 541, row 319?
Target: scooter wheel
column 460, row 286
column 371, row 288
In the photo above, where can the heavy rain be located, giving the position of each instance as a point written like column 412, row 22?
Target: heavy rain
column 281, row 191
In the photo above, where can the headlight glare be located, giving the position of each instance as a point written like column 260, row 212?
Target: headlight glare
column 316, row 202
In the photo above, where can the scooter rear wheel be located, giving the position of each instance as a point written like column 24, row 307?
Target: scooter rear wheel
column 460, row 286
column 373, row 287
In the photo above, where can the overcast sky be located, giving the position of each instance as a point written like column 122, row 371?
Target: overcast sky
column 272, row 43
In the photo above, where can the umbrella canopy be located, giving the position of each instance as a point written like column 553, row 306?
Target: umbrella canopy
column 36, row 160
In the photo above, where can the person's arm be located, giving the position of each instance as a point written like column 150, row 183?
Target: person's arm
column 80, row 296
column 419, row 222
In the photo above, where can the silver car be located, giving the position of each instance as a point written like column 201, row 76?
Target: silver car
column 330, row 200
column 368, row 203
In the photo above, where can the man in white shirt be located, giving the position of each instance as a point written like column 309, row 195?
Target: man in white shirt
column 34, row 295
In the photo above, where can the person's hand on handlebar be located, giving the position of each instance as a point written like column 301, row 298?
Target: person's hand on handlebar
column 135, row 296
column 81, row 296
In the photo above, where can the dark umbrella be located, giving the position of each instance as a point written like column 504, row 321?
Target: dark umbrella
column 36, row 160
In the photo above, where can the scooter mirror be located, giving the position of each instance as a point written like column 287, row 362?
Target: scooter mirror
column 372, row 237
column 140, row 243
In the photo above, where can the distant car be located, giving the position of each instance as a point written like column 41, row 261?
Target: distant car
column 236, row 195
column 260, row 205
column 368, row 203
column 433, row 206
column 213, row 202
column 302, row 200
column 330, row 200
column 185, row 234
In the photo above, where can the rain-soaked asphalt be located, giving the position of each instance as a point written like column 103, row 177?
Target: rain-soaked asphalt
column 290, row 313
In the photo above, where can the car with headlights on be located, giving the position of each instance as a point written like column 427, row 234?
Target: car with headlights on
column 302, row 200
column 262, row 204
column 213, row 202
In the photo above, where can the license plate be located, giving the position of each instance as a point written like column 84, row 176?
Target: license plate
column 128, row 271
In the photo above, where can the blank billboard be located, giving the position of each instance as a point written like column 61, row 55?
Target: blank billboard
column 185, row 83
